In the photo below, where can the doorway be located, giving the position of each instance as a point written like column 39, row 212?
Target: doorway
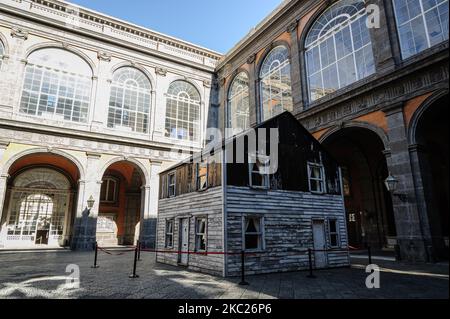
column 320, row 257
column 184, row 241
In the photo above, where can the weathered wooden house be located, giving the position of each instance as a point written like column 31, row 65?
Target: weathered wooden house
column 207, row 206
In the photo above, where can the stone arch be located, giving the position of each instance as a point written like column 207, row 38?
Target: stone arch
column 320, row 10
column 232, row 76
column 4, row 41
column 135, row 66
column 375, row 129
column 138, row 164
column 267, row 51
column 34, row 174
column 196, row 86
column 71, row 158
column 62, row 46
column 415, row 120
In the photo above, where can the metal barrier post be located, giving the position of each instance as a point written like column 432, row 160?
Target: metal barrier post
column 369, row 252
column 138, row 245
column 133, row 275
column 310, row 264
column 95, row 255
column 243, row 282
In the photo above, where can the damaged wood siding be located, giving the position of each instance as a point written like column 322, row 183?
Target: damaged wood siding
column 296, row 148
column 207, row 204
column 287, row 228
column 186, row 179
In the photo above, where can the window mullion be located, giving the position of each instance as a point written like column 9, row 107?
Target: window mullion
column 425, row 24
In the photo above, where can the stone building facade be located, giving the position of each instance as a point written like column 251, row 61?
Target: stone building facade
column 375, row 94
column 90, row 109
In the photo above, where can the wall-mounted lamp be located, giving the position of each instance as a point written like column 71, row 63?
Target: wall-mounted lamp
column 90, row 202
column 391, row 185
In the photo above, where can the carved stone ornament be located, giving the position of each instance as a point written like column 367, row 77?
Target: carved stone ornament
column 251, row 59
column 19, row 33
column 292, row 27
column 161, row 71
column 104, row 56
column 206, row 83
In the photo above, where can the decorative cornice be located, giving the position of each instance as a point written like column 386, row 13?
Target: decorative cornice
column 88, row 17
column 17, row 32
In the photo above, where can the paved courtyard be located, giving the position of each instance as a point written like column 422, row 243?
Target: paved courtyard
column 42, row 275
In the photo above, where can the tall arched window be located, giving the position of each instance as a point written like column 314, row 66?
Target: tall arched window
column 2, row 52
column 57, row 85
column 238, row 103
column 421, row 24
column 275, row 83
column 183, row 111
column 338, row 48
column 130, row 100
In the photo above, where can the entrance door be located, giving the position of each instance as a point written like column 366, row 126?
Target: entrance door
column 320, row 256
column 41, row 237
column 184, row 241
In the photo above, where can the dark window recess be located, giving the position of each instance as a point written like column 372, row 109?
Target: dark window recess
column 169, row 233
column 202, row 176
column 200, row 234
column 253, row 234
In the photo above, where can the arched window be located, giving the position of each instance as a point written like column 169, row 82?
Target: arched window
column 275, row 83
column 421, row 24
column 183, row 111
column 57, row 85
column 338, row 49
column 38, row 207
column 238, row 103
column 130, row 100
column 2, row 52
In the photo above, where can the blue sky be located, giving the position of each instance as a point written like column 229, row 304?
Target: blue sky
column 215, row 24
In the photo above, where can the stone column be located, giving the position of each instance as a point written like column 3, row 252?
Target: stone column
column 381, row 42
column 413, row 232
column 3, row 188
column 252, row 90
column 149, row 204
column 85, row 225
column 426, row 200
column 296, row 81
column 161, row 87
column 3, row 181
column 101, row 85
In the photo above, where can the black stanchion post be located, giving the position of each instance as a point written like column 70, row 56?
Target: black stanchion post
column 95, row 255
column 138, row 245
column 243, row 282
column 369, row 252
column 310, row 264
column 133, row 275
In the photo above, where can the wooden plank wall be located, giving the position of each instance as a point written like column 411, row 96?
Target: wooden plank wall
column 186, row 175
column 207, row 204
column 287, row 226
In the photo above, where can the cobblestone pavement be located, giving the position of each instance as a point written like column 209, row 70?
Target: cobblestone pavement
column 42, row 275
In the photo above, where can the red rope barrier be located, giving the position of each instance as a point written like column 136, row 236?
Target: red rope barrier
column 120, row 252
column 204, row 253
